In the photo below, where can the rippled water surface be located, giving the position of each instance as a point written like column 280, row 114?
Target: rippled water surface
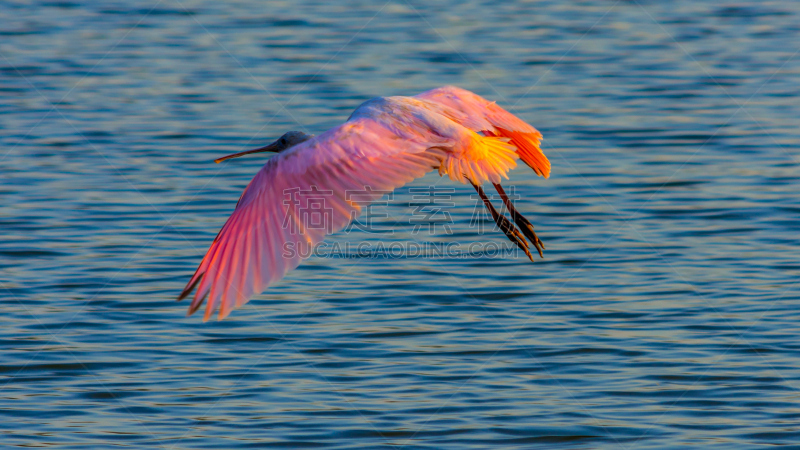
column 663, row 315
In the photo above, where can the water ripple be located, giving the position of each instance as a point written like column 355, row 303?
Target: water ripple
column 664, row 314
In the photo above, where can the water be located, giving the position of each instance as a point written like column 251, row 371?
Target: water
column 663, row 316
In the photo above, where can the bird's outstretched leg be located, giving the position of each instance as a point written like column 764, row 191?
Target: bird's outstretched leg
column 522, row 223
column 504, row 224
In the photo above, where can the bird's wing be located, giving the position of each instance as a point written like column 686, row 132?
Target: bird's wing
column 479, row 114
column 301, row 195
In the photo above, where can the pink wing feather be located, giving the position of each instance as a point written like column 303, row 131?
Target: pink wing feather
column 479, row 114
column 250, row 252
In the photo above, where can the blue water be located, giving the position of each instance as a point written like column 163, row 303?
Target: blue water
column 664, row 314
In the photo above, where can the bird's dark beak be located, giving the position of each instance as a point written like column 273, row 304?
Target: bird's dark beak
column 269, row 148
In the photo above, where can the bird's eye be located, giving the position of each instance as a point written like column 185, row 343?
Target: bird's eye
column 283, row 141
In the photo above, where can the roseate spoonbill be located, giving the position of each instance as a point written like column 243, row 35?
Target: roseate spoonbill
column 386, row 143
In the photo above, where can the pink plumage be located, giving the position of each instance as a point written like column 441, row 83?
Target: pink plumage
column 386, row 143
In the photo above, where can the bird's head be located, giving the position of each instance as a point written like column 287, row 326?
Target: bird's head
column 288, row 140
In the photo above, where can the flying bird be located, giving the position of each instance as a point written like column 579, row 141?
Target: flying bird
column 386, row 143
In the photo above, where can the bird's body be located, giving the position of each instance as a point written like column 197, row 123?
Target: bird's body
column 386, row 143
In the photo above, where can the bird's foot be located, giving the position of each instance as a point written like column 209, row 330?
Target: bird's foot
column 513, row 234
column 527, row 229
column 523, row 223
column 505, row 225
